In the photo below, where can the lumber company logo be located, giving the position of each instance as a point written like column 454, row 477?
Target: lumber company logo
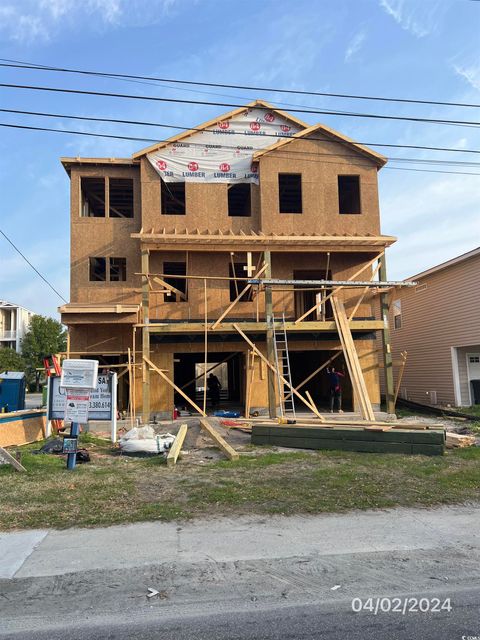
column 193, row 166
column 285, row 128
column 223, row 125
column 224, row 167
column 255, row 126
column 269, row 117
column 254, row 168
column 161, row 164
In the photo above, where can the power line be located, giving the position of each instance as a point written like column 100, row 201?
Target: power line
column 129, row 96
column 118, row 137
column 174, row 126
column 31, row 265
column 36, row 67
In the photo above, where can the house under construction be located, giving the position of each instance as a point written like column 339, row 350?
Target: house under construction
column 251, row 244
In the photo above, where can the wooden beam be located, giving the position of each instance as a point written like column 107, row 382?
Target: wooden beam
column 170, row 288
column 400, row 376
column 250, row 379
column 237, row 299
column 364, row 292
column 9, row 459
column 270, row 338
column 217, row 438
column 387, row 350
column 337, row 289
column 172, row 384
column 145, row 337
column 276, row 372
column 206, row 349
column 177, row 446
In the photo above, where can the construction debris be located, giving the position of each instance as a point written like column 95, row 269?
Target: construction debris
column 456, row 440
column 144, row 440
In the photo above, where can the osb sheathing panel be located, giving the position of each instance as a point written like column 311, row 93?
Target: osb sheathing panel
column 206, row 206
column 22, row 431
column 104, row 237
column 161, row 393
column 100, row 339
column 319, row 189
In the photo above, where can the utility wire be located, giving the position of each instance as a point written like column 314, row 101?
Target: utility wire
column 268, row 135
column 31, row 265
column 129, row 96
column 105, row 135
column 36, row 67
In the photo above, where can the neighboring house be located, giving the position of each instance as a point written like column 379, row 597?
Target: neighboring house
column 14, row 323
column 219, row 201
column 438, row 324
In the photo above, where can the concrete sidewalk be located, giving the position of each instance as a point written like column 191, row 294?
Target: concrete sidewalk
column 50, row 552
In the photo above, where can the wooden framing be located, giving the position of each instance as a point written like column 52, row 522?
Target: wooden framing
column 364, row 292
column 145, row 337
column 177, row 446
column 277, row 373
column 351, row 357
column 219, row 441
column 387, row 350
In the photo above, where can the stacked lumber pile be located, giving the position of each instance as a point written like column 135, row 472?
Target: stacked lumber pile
column 457, row 440
column 369, row 439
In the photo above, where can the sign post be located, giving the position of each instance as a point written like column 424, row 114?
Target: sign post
column 79, row 378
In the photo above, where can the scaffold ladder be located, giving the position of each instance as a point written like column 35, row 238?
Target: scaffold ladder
column 282, row 363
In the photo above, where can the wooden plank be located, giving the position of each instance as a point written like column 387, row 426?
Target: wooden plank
column 256, row 327
column 351, row 357
column 400, row 376
column 5, row 456
column 217, row 438
column 250, row 380
column 277, row 373
column 170, row 288
column 237, row 299
column 337, row 289
column 172, row 384
column 364, row 292
column 177, row 446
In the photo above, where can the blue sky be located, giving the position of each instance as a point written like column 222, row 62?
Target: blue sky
column 401, row 48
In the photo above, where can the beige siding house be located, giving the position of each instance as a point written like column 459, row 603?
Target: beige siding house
column 438, row 323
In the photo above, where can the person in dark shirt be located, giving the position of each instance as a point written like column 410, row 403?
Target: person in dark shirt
column 335, row 388
column 214, row 386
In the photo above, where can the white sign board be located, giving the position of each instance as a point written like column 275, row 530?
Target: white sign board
column 100, row 403
column 224, row 151
column 76, row 405
column 79, row 374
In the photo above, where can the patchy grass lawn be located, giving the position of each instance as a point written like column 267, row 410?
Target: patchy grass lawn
column 114, row 489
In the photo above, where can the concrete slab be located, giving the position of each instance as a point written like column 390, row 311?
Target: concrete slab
column 250, row 538
column 15, row 548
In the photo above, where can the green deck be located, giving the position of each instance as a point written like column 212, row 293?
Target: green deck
column 428, row 442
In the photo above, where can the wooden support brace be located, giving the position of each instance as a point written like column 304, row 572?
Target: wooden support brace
column 217, row 438
column 177, row 446
column 172, row 384
column 277, row 373
column 4, row 455
column 170, row 288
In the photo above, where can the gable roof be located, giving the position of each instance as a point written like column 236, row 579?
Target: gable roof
column 213, row 121
column 373, row 155
column 445, row 265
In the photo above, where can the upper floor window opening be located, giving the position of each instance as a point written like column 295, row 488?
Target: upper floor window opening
column 93, row 197
column 173, row 198
column 349, row 195
column 239, row 200
column 120, row 197
column 103, row 269
column 118, row 269
column 98, row 269
column 179, row 285
column 237, row 270
column 290, row 193
column 397, row 314
column 106, row 196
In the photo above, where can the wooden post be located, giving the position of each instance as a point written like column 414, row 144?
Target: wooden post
column 272, row 401
column 130, row 386
column 387, row 350
column 206, row 350
column 145, row 336
column 400, row 376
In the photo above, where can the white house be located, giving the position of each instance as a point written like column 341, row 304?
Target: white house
column 14, row 323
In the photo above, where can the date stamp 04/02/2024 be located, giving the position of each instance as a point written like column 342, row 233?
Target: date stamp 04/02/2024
column 402, row 606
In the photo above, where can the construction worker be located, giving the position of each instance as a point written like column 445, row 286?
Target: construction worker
column 335, row 388
column 214, row 386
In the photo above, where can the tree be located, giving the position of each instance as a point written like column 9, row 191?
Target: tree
column 10, row 360
column 44, row 337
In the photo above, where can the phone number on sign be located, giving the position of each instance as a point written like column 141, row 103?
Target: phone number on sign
column 401, row 605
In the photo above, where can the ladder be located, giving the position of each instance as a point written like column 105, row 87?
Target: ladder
column 282, row 363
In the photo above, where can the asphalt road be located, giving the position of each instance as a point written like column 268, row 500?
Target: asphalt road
column 333, row 621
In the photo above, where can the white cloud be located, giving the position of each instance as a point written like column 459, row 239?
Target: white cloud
column 30, row 21
column 355, row 45
column 469, row 73
column 404, row 15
